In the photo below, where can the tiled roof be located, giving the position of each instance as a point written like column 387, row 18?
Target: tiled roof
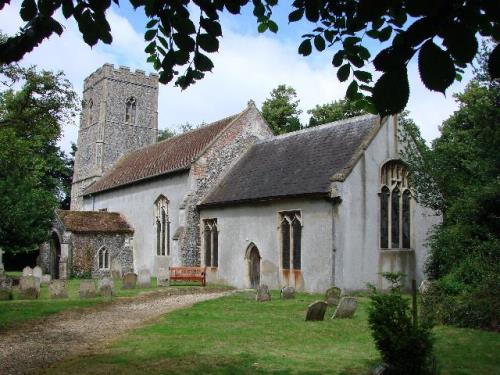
column 94, row 222
column 294, row 164
column 171, row 155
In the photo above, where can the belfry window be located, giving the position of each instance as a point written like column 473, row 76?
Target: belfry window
column 291, row 239
column 162, row 224
column 395, row 206
column 211, row 242
column 90, row 110
column 130, row 110
column 103, row 258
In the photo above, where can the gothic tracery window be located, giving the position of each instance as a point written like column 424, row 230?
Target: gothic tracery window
column 395, row 206
column 130, row 110
column 162, row 224
column 291, row 239
column 211, row 242
column 103, row 258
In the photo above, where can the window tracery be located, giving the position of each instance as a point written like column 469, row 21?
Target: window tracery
column 291, row 239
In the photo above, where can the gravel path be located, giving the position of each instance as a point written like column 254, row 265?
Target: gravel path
column 32, row 348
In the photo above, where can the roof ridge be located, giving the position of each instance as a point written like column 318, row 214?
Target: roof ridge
column 320, row 127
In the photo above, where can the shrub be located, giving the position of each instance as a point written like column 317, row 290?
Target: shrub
column 405, row 346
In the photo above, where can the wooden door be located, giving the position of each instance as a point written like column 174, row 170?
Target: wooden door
column 254, row 264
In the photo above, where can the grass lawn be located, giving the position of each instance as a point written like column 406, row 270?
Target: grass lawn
column 18, row 311
column 236, row 335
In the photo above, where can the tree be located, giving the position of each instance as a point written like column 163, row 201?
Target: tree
column 34, row 171
column 443, row 33
column 281, row 110
column 334, row 111
column 164, row 134
column 463, row 165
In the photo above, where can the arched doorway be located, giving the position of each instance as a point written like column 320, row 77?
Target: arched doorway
column 254, row 266
column 55, row 255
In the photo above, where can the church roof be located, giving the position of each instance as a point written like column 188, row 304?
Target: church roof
column 172, row 155
column 296, row 164
column 94, row 222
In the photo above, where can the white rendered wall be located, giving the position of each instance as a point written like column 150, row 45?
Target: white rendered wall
column 136, row 204
column 240, row 226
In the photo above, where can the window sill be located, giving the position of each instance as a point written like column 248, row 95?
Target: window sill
column 398, row 250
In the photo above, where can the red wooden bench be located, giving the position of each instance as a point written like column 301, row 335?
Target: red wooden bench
column 188, row 274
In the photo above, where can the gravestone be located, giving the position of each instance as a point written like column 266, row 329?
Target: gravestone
column 346, row 308
column 288, row 292
column 129, row 280
column 57, row 289
column 87, row 289
column 46, row 279
column 116, row 269
column 106, row 287
column 263, row 293
column 316, row 311
column 5, row 288
column 29, row 287
column 332, row 296
column 2, row 269
column 37, row 272
column 424, row 286
column 144, row 279
column 27, row 271
column 162, row 277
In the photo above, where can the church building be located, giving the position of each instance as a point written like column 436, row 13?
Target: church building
column 322, row 206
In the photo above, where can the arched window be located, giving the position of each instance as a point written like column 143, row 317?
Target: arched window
column 291, row 240
column 103, row 258
column 211, row 242
column 130, row 109
column 162, row 224
column 90, row 110
column 395, row 206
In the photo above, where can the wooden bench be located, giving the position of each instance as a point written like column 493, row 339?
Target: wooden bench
column 188, row 274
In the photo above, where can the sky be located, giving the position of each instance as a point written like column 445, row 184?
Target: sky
column 248, row 66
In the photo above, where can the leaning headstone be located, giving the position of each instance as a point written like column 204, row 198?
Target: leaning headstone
column 288, row 292
column 144, row 279
column 29, row 288
column 46, row 279
column 346, row 308
column 263, row 293
column 162, row 277
column 27, row 271
column 316, row 311
column 129, row 280
column 5, row 288
column 87, row 289
column 106, row 287
column 332, row 296
column 57, row 289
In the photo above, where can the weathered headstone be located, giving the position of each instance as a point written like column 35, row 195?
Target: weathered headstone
column 2, row 269
column 316, row 311
column 263, row 293
column 57, row 289
column 27, row 271
column 106, row 287
column 424, row 286
column 162, row 277
column 116, row 269
column 46, row 279
column 144, row 279
column 37, row 272
column 5, row 288
column 346, row 308
column 332, row 296
column 129, row 280
column 29, row 288
column 288, row 292
column 87, row 289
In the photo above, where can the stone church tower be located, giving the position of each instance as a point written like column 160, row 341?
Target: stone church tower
column 119, row 115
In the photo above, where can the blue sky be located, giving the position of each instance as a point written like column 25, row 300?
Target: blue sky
column 248, row 66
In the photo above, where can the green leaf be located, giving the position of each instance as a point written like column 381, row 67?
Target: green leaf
column 150, row 48
column 363, row 76
column 272, row 26
column 343, row 72
column 338, row 58
column 152, row 23
column 211, row 27
column 296, row 15
column 184, row 42
column 461, row 42
column 436, row 67
column 385, row 33
column 28, row 10
column 67, row 8
column 208, row 42
column 305, row 47
column 262, row 27
column 494, row 63
column 319, row 43
column 181, row 57
column 391, row 92
column 202, row 62
column 329, row 34
column 392, row 58
column 150, row 35
column 352, row 90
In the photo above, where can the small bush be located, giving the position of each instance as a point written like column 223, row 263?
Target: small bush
column 405, row 347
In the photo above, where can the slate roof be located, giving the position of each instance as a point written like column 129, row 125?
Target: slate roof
column 295, row 164
column 94, row 222
column 171, row 155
